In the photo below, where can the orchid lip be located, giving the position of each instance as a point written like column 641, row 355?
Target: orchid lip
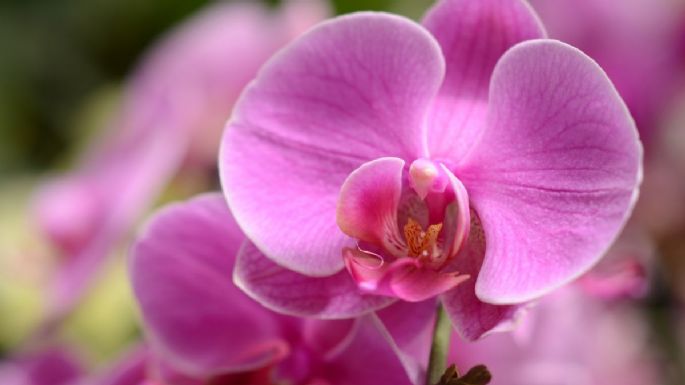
column 409, row 224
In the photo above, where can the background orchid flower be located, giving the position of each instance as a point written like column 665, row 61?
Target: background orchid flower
column 173, row 111
column 467, row 158
column 639, row 43
column 550, row 347
column 52, row 365
column 200, row 327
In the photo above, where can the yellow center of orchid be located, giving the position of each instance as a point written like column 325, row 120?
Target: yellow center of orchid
column 421, row 243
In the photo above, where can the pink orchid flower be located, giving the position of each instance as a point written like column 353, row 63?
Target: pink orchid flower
column 551, row 347
column 467, row 159
column 203, row 330
column 174, row 109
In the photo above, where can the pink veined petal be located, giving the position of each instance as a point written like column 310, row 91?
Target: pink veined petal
column 351, row 90
column 368, row 360
column 367, row 208
column 471, row 317
column 473, row 36
column 195, row 318
column 555, row 174
column 286, row 291
column 410, row 327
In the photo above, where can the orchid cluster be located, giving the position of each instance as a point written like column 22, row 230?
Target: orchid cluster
column 383, row 182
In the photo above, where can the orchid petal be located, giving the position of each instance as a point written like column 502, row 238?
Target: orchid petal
column 367, row 209
column 410, row 327
column 473, row 36
column 289, row 292
column 367, row 360
column 194, row 317
column 472, row 318
column 351, row 90
column 327, row 337
column 555, row 175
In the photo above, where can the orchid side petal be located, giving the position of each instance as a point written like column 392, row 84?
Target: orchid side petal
column 352, row 89
column 556, row 173
column 286, row 291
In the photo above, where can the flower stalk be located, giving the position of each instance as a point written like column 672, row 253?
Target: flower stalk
column 437, row 363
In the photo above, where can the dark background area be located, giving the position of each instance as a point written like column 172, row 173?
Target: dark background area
column 55, row 54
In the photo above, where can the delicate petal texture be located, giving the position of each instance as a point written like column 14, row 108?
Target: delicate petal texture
column 367, row 209
column 473, row 36
column 410, row 325
column 351, row 90
column 367, row 360
column 181, row 275
column 286, row 291
column 555, row 174
column 471, row 317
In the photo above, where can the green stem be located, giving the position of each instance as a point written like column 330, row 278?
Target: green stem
column 441, row 342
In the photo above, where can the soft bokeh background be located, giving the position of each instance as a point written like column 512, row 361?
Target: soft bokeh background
column 62, row 69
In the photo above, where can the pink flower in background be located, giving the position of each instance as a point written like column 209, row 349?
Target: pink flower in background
column 201, row 328
column 51, row 365
column 639, row 43
column 174, row 109
column 570, row 338
column 376, row 160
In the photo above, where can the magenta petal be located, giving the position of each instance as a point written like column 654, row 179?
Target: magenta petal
column 368, row 360
column 289, row 292
column 193, row 315
column 351, row 90
column 471, row 317
column 473, row 36
column 410, row 326
column 555, row 175
column 367, row 209
column 51, row 365
column 327, row 337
